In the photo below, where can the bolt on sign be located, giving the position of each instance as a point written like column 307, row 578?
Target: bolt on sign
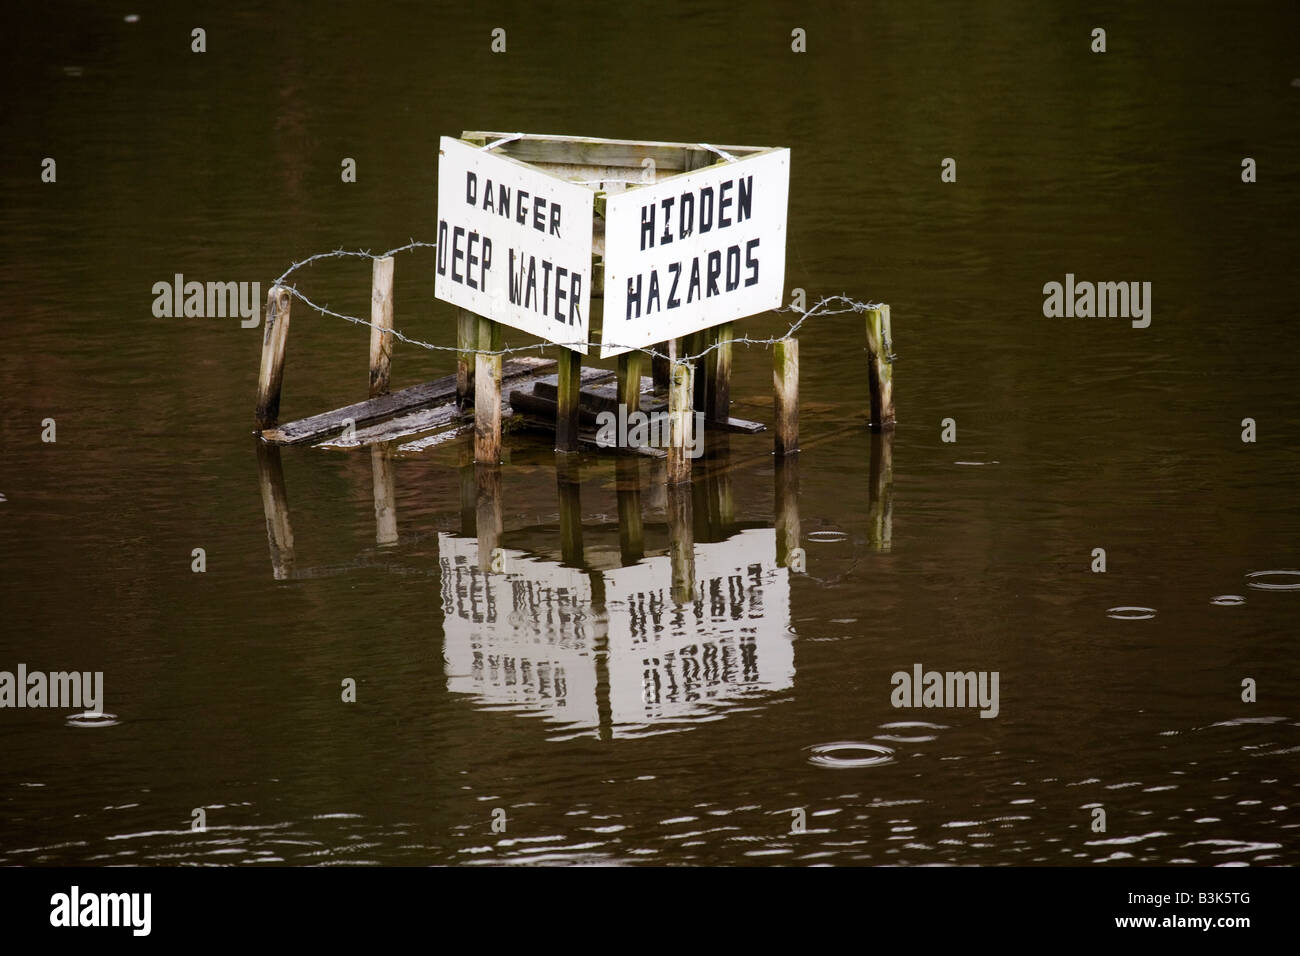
column 685, row 236
column 514, row 244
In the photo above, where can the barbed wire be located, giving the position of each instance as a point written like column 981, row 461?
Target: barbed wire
column 825, row 306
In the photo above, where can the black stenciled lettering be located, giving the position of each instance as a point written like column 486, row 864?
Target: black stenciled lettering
column 676, row 269
column 714, row 270
column 456, row 253
column 724, row 201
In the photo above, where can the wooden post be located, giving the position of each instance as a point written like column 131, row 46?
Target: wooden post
column 629, row 381
column 466, row 341
column 785, row 393
column 681, row 419
column 381, row 324
column 275, row 337
column 880, row 368
column 717, row 390
column 692, row 345
column 275, row 506
column 487, row 394
column 567, row 400
column 661, row 367
column 381, row 464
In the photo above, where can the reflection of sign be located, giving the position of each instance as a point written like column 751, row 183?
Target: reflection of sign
column 514, row 243
column 526, row 638
column 670, row 661
column 695, row 250
column 522, row 638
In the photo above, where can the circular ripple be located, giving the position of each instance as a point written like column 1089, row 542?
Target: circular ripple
column 1228, row 600
column 847, row 754
column 1128, row 613
column 88, row 719
column 825, row 536
column 1259, row 580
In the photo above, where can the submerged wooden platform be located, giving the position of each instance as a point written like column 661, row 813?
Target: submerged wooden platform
column 426, row 414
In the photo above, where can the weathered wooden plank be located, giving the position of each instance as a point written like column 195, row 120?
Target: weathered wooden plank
column 589, row 151
column 399, row 427
column 327, row 424
column 381, row 325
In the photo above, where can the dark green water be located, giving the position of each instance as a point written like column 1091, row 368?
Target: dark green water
column 225, row 167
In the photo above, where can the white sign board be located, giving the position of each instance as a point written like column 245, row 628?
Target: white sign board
column 514, row 244
column 694, row 251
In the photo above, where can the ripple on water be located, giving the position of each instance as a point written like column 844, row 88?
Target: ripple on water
column 88, row 719
column 1228, row 600
column 1262, row 580
column 825, row 537
column 847, row 754
column 1131, row 613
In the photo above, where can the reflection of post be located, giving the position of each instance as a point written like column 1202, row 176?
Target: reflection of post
column 881, row 510
column 568, row 481
column 468, row 493
column 275, row 504
column 681, row 543
column 631, row 538
column 381, row 463
column 788, row 552
column 488, row 520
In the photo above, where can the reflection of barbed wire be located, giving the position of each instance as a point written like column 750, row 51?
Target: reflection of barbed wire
column 827, row 305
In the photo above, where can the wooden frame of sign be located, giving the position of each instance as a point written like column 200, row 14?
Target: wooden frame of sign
column 683, row 240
